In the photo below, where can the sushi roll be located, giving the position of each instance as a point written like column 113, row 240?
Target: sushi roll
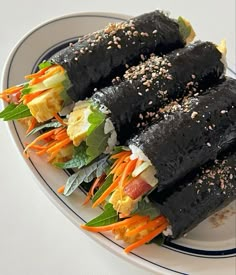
column 94, row 60
column 95, row 125
column 189, row 135
column 176, row 212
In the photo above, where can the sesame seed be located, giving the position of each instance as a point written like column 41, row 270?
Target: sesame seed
column 208, row 144
column 194, row 114
column 155, row 31
column 142, row 57
column 140, row 94
column 223, row 111
column 119, row 46
column 150, row 103
column 141, row 116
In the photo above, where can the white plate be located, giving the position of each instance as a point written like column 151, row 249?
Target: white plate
column 206, row 246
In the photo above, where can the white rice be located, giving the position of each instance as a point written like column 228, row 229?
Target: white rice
column 168, row 231
column 138, row 153
column 112, row 140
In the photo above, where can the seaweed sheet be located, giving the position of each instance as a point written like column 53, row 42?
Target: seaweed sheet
column 159, row 80
column 190, row 134
column 96, row 58
column 200, row 194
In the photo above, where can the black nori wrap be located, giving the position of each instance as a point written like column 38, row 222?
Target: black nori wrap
column 190, row 134
column 200, row 194
column 159, row 80
column 104, row 54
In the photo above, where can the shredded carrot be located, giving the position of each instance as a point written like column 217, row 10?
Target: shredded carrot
column 29, row 97
column 107, row 192
column 47, row 74
column 12, row 90
column 37, row 147
column 61, row 189
column 39, row 73
column 127, row 171
column 39, row 138
column 59, row 145
column 117, row 163
column 149, row 225
column 33, row 123
column 126, row 222
column 119, row 155
column 119, row 170
column 96, row 183
column 53, row 140
column 146, row 238
column 59, row 119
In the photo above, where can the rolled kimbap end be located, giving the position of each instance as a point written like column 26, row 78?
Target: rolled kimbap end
column 176, row 212
column 188, row 135
column 96, row 124
column 94, row 60
column 198, row 196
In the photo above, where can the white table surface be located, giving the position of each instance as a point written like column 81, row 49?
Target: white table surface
column 35, row 237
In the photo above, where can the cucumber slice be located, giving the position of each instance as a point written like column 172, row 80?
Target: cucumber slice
column 54, row 80
column 137, row 171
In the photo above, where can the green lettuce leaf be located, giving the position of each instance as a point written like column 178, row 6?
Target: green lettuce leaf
column 15, row 112
column 85, row 174
column 104, row 187
column 44, row 64
column 64, row 94
column 7, row 109
column 146, row 208
column 96, row 142
column 109, row 216
column 53, row 124
column 79, row 158
column 26, row 90
column 96, row 118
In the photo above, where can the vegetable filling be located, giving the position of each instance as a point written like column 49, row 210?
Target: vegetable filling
column 41, row 96
column 86, row 129
column 135, row 230
column 132, row 179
